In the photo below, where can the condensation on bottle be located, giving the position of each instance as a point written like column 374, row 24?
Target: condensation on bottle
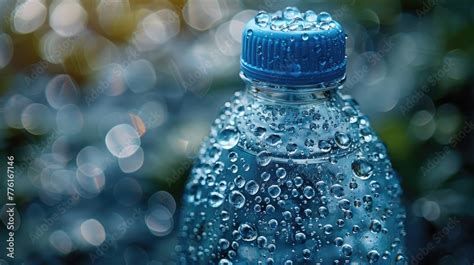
column 292, row 172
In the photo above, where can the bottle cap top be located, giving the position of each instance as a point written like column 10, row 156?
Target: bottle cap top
column 293, row 48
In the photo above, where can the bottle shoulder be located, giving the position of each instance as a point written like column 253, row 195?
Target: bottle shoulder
column 323, row 129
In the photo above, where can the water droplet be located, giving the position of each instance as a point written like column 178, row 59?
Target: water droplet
column 216, row 199
column 291, row 12
column 375, row 186
column 239, row 181
column 260, row 132
column 337, row 190
column 308, row 192
column 237, row 199
column 281, row 172
column 274, row 191
column 351, row 113
column 347, row 250
column 362, row 169
column 328, row 229
column 233, row 156
column 265, row 176
column 251, row 187
column 355, row 229
column 373, row 256
column 375, row 226
column 310, row 16
column 325, row 146
column 228, row 137
column 213, row 153
column 300, row 237
column 273, row 224
column 353, row 185
column 224, row 243
column 306, row 253
column 305, row 36
column 225, row 216
column 324, row 17
column 342, row 140
column 344, row 204
column 338, row 241
column 264, row 158
column 262, row 19
column 247, row 232
column 291, row 148
column 273, row 139
column 323, row 212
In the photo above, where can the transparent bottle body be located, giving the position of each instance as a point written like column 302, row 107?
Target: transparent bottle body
column 292, row 176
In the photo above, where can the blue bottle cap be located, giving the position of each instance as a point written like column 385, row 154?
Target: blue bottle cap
column 293, row 48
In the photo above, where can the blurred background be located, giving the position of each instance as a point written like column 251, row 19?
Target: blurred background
column 103, row 104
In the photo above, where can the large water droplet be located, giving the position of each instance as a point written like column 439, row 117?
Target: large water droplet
column 324, row 17
column 262, row 19
column 273, row 139
column 228, row 137
column 351, row 113
column 251, row 187
column 274, row 191
column 310, row 16
column 291, row 13
column 247, row 232
column 237, row 199
column 342, row 140
column 362, row 168
column 264, row 158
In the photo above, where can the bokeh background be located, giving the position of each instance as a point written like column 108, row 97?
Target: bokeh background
column 104, row 103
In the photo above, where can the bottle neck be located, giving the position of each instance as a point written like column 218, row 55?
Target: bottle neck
column 292, row 94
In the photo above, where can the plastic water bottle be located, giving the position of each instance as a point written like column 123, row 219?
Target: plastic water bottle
column 292, row 172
